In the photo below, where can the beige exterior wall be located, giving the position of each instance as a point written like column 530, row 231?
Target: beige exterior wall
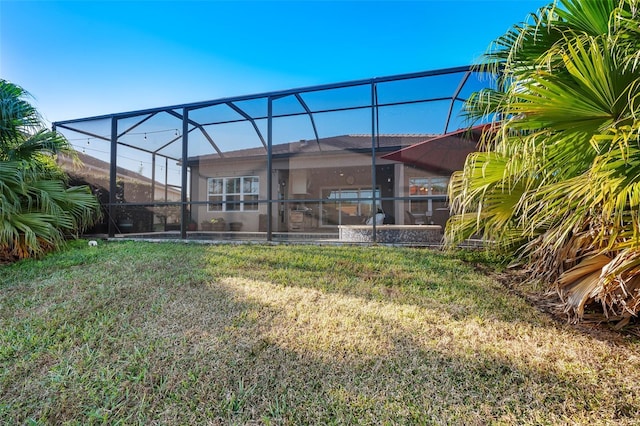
column 229, row 168
column 303, row 178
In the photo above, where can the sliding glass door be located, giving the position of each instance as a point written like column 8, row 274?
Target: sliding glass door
column 347, row 206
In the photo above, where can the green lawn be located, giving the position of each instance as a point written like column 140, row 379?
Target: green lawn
column 158, row 333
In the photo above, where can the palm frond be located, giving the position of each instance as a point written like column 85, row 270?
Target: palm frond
column 42, row 142
column 18, row 117
column 37, row 210
column 559, row 180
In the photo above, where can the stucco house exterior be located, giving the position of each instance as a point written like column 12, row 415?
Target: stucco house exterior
column 330, row 181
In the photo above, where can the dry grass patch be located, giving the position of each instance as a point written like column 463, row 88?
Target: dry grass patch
column 139, row 333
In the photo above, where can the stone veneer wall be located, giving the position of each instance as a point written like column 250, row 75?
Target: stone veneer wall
column 392, row 233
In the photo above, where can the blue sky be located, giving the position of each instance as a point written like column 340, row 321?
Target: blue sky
column 87, row 58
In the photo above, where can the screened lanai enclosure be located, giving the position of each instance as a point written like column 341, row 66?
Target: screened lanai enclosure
column 298, row 164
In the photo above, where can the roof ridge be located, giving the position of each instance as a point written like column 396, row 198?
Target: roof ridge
column 396, row 134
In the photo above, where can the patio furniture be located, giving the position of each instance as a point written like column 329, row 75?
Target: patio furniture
column 415, row 218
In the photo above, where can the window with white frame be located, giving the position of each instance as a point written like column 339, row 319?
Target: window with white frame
column 427, row 191
column 233, row 193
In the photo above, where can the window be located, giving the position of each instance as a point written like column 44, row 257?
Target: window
column 347, row 206
column 429, row 193
column 233, row 193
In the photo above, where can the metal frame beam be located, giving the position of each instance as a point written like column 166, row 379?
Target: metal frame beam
column 320, row 111
column 463, row 81
column 250, row 119
column 183, row 192
column 95, row 136
column 113, row 173
column 374, row 144
column 277, row 94
column 313, row 123
column 269, row 169
column 138, row 123
column 199, row 127
column 172, row 141
column 84, row 132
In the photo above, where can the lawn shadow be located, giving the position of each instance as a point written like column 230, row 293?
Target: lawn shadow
column 300, row 356
column 422, row 277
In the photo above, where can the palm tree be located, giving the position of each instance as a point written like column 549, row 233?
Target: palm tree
column 37, row 208
column 558, row 178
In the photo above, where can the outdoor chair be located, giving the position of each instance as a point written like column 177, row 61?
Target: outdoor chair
column 414, row 219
